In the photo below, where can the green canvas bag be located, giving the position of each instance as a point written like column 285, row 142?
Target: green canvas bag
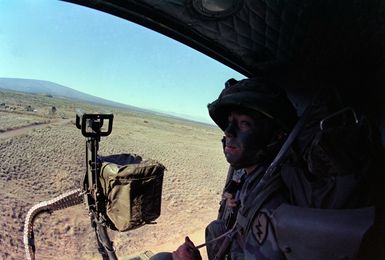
column 132, row 189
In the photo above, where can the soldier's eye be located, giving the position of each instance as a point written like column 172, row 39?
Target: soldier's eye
column 245, row 124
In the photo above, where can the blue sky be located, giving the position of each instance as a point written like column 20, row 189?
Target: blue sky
column 106, row 56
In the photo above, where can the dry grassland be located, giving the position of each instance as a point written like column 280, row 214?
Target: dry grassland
column 42, row 162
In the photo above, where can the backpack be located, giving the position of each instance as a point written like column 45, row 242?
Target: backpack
column 335, row 186
column 338, row 158
column 132, row 190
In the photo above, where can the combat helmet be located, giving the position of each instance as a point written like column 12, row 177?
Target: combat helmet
column 255, row 94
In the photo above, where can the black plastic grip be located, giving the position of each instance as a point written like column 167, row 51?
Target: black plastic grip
column 91, row 124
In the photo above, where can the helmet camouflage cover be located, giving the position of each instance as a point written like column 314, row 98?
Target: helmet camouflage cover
column 255, row 94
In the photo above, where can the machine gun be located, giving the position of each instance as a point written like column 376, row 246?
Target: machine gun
column 91, row 126
column 136, row 202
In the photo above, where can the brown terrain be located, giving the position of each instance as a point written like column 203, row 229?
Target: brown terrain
column 42, row 156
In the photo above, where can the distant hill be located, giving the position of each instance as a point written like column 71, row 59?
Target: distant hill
column 56, row 90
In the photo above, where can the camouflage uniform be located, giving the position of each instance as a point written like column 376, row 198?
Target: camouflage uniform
column 258, row 242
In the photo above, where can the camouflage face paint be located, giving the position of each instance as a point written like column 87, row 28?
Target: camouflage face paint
column 244, row 139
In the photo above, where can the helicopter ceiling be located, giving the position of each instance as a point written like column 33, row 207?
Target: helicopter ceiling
column 326, row 41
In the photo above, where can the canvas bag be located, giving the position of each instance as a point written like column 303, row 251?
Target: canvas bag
column 132, row 190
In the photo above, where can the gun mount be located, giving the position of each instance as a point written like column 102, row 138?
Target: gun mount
column 91, row 128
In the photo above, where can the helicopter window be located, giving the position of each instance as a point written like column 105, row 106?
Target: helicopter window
column 58, row 57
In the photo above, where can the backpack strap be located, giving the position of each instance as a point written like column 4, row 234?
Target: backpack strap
column 271, row 180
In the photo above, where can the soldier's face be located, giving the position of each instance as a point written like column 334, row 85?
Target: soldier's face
column 243, row 140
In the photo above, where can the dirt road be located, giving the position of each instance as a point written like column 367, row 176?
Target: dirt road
column 25, row 129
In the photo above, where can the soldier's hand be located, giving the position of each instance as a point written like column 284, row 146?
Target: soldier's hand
column 230, row 200
column 187, row 251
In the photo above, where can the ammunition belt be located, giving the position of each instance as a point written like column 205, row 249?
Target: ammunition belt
column 63, row 201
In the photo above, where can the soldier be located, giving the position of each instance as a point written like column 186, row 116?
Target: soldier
column 255, row 117
column 298, row 214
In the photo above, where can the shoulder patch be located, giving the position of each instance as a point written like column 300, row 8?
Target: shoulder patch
column 259, row 227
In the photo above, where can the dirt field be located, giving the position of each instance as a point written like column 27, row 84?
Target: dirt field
column 42, row 156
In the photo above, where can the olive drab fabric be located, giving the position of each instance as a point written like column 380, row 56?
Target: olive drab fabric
column 341, row 160
column 256, row 239
column 132, row 189
column 259, row 241
column 329, row 233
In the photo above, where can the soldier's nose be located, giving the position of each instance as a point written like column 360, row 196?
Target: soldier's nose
column 230, row 130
